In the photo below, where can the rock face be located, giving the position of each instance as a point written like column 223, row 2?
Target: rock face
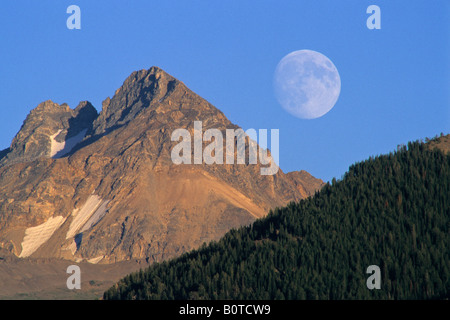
column 103, row 188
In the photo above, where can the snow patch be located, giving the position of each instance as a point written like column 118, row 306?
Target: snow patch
column 81, row 216
column 56, row 146
column 58, row 149
column 36, row 236
column 96, row 217
column 84, row 218
column 95, row 260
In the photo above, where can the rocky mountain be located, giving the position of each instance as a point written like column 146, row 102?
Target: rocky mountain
column 103, row 188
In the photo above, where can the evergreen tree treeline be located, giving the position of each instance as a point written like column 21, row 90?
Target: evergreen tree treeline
column 391, row 211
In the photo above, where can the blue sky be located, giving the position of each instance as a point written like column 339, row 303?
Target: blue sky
column 394, row 81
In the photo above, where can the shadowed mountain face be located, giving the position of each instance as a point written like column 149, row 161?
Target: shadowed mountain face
column 103, row 188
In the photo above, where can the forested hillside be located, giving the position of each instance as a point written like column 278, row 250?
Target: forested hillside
column 391, row 211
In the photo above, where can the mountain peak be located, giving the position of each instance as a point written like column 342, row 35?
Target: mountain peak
column 50, row 107
column 45, row 125
column 142, row 89
column 155, row 93
column 144, row 75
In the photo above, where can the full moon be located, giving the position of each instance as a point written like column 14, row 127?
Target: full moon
column 306, row 84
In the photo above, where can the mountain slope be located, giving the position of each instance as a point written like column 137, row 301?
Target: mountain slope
column 103, row 188
column 391, row 211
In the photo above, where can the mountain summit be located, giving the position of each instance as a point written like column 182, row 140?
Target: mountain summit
column 79, row 185
column 49, row 119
